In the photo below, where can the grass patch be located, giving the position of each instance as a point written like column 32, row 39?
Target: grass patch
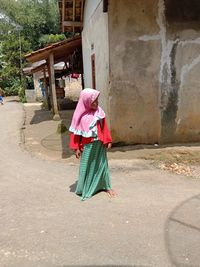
column 174, row 156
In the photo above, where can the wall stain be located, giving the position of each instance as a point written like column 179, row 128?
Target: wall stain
column 170, row 102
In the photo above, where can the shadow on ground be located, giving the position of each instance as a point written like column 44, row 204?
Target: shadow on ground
column 123, row 147
column 13, row 100
column 60, row 142
column 183, row 233
column 103, row 266
column 41, row 115
column 45, row 115
column 72, row 187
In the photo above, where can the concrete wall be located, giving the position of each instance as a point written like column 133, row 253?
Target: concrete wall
column 34, row 94
column 135, row 51
column 149, row 72
column 36, row 77
column 89, row 9
column 154, row 62
column 30, row 96
column 179, row 73
column 95, row 41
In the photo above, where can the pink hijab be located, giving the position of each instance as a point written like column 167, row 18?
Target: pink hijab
column 84, row 119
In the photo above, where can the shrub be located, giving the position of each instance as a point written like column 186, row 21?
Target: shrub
column 48, row 39
column 21, row 93
column 2, row 93
column 12, row 87
column 11, row 91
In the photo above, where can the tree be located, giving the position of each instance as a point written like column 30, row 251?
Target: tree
column 22, row 24
column 12, row 50
column 48, row 39
column 36, row 17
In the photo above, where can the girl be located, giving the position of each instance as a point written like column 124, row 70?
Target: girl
column 89, row 138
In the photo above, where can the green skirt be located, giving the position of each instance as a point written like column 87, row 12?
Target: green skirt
column 93, row 173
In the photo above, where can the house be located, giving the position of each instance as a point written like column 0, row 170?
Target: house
column 144, row 57
column 59, row 59
column 68, row 52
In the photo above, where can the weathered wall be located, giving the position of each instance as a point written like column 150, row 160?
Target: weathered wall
column 95, row 41
column 135, row 52
column 36, row 77
column 154, row 62
column 179, row 74
column 147, row 67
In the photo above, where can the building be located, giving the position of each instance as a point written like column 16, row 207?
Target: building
column 69, row 54
column 144, row 57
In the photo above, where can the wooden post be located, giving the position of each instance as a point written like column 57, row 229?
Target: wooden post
column 74, row 11
column 82, row 81
column 46, row 89
column 63, row 15
column 53, row 87
column 50, row 88
column 82, row 6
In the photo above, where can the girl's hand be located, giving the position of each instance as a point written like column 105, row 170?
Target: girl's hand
column 109, row 145
column 78, row 153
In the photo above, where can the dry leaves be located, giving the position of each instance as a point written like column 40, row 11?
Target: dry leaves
column 177, row 168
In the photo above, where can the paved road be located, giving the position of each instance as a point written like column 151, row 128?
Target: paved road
column 155, row 220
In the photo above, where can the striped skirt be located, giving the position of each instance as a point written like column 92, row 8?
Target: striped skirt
column 93, row 173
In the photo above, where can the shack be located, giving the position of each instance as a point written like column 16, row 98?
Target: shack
column 69, row 52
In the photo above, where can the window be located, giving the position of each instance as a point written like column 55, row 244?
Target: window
column 182, row 11
column 93, row 71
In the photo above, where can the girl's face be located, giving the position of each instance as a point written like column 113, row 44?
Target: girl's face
column 94, row 104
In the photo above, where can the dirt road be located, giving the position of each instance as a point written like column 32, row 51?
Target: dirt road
column 154, row 221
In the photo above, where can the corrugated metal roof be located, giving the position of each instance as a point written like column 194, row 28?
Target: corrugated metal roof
column 40, row 65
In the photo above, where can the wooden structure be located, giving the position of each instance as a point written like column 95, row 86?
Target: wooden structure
column 71, row 14
column 68, row 51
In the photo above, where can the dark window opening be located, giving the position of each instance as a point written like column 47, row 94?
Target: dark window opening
column 182, row 10
column 93, row 71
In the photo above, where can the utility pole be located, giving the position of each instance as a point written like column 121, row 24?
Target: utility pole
column 20, row 54
column 19, row 28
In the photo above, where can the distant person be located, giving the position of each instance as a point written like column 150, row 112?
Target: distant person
column 89, row 138
column 1, row 96
column 42, row 88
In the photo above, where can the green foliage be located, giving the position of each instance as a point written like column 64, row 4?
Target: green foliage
column 21, row 94
column 69, row 34
column 13, row 88
column 2, row 93
column 34, row 17
column 22, row 24
column 12, row 51
column 29, row 82
column 48, row 39
column 11, row 91
column 44, row 104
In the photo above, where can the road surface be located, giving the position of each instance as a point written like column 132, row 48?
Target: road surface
column 154, row 221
